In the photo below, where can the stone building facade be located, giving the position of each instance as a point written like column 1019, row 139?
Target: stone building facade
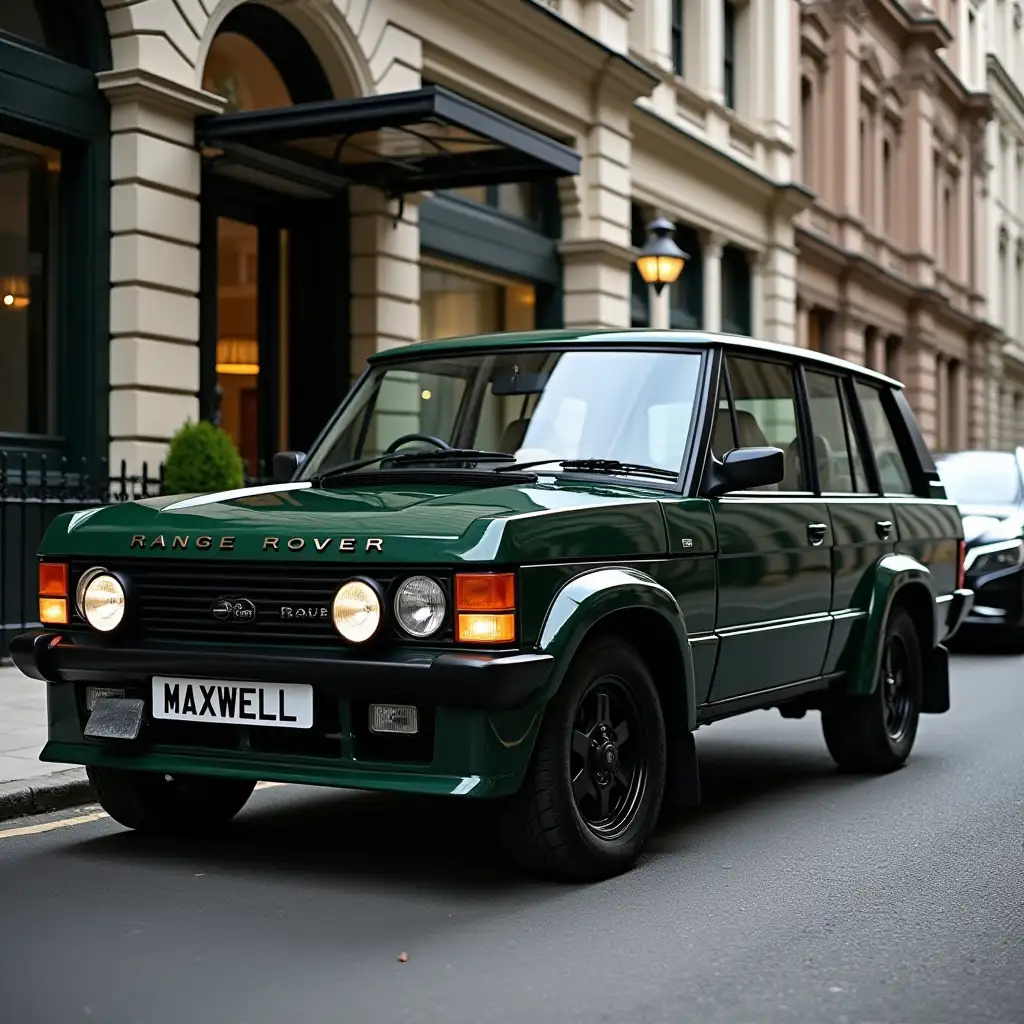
column 1002, row 27
column 893, row 262
column 232, row 202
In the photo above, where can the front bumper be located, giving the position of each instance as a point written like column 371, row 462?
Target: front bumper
column 479, row 714
column 457, row 679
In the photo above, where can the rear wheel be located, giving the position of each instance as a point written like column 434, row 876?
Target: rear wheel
column 593, row 791
column 874, row 733
column 169, row 804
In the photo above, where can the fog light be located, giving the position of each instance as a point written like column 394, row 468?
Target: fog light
column 95, row 693
column 394, row 718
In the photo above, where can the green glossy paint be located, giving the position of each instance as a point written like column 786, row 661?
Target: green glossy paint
column 727, row 599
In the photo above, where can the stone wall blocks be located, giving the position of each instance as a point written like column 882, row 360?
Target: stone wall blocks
column 143, row 158
column 138, row 310
column 148, row 260
column 149, row 415
column 145, row 363
column 157, row 18
column 142, row 208
column 154, row 53
column 135, row 455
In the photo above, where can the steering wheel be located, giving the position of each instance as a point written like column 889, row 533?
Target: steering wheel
column 406, row 438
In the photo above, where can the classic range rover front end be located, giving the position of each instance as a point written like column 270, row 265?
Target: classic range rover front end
column 363, row 675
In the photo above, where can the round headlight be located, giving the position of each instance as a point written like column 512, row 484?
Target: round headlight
column 101, row 600
column 356, row 611
column 420, row 606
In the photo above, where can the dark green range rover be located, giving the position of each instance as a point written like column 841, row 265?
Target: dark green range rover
column 524, row 568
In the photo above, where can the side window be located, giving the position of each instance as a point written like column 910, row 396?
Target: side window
column 764, row 397
column 892, row 470
column 836, row 451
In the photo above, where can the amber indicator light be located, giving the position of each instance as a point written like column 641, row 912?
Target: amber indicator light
column 485, row 605
column 961, row 554
column 53, row 579
column 53, row 611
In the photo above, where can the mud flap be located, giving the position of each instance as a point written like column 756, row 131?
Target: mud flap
column 682, row 787
column 935, row 698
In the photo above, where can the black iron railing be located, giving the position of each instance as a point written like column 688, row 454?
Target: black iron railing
column 35, row 488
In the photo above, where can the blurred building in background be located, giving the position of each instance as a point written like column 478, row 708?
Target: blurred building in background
column 219, row 208
column 1002, row 25
column 893, row 264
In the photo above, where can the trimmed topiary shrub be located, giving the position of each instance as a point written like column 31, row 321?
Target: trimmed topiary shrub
column 202, row 458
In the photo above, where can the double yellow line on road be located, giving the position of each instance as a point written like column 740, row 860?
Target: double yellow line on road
column 80, row 819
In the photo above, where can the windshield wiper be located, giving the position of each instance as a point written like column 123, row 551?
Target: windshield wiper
column 412, row 458
column 610, row 466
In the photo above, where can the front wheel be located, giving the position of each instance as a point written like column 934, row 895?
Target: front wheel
column 169, row 804
column 594, row 787
column 874, row 733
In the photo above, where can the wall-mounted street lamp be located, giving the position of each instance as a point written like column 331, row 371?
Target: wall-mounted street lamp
column 661, row 261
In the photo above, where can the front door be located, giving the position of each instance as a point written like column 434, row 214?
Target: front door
column 774, row 560
column 274, row 314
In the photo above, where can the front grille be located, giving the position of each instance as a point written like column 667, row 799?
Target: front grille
column 174, row 601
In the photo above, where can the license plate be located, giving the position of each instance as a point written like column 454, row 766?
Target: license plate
column 278, row 705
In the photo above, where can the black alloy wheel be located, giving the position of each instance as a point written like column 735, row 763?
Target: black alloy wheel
column 608, row 758
column 874, row 733
column 593, row 790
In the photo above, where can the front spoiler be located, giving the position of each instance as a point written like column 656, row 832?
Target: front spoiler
column 458, row 679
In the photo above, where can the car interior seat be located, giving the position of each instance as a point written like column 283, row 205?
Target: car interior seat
column 513, row 436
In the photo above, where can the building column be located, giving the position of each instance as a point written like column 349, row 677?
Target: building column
column 942, row 418
column 385, row 274
column 849, row 338
column 875, row 351
column 960, row 400
column 595, row 248
column 154, row 298
column 712, row 49
column 920, row 214
column 757, row 262
column 919, row 375
column 712, row 246
column 802, row 337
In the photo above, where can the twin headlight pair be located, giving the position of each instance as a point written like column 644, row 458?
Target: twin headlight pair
column 419, row 607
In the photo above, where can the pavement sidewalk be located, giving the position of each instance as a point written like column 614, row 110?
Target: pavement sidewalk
column 28, row 785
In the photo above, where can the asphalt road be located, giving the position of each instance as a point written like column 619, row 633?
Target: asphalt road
column 794, row 895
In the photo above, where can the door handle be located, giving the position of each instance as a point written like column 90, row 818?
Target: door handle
column 884, row 528
column 816, row 533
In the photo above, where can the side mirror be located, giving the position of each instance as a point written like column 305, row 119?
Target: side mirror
column 743, row 469
column 285, row 465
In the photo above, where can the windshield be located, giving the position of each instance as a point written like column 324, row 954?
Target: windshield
column 633, row 407
column 981, row 478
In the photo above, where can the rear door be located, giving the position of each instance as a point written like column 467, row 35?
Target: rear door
column 774, row 561
column 863, row 524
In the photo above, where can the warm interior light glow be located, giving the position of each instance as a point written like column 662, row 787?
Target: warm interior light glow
column 53, row 611
column 487, row 629
column 660, row 269
column 239, row 368
column 426, row 395
column 53, row 579
column 15, row 292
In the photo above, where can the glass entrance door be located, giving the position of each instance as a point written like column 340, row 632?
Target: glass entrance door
column 246, row 331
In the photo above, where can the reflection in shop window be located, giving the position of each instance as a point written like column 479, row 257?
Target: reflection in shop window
column 29, row 180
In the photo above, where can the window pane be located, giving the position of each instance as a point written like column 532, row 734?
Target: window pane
column 839, row 465
column 29, row 178
column 20, row 18
column 765, row 402
column 892, row 470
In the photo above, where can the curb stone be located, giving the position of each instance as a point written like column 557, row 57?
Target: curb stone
column 55, row 792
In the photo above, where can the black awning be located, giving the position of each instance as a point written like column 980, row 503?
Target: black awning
column 403, row 142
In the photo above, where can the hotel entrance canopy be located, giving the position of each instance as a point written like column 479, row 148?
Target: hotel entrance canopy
column 423, row 140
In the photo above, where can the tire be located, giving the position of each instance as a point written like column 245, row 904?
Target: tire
column 559, row 829
column 874, row 733
column 159, row 804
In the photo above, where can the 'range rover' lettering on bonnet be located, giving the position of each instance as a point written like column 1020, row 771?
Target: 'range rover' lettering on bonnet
column 344, row 545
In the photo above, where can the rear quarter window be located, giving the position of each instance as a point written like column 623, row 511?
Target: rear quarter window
column 896, row 476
